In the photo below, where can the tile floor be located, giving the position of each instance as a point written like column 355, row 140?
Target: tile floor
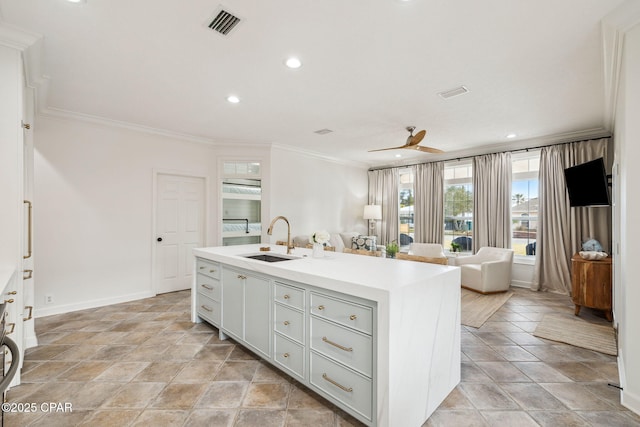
column 145, row 363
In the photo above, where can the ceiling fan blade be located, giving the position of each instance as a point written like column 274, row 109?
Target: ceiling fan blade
column 415, row 139
column 427, row 149
column 385, row 149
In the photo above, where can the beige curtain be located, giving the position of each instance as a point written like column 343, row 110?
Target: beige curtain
column 492, row 201
column 383, row 191
column 562, row 229
column 429, row 202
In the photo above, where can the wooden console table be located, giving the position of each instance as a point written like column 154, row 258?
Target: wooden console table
column 591, row 284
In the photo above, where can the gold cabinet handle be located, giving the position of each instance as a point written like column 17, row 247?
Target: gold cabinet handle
column 286, row 296
column 29, row 274
column 337, row 384
column 341, row 347
column 240, row 276
column 9, row 301
column 12, row 293
column 286, row 323
column 206, row 307
column 207, row 287
column 30, row 316
column 321, row 307
column 353, row 317
column 29, row 249
column 212, row 271
column 286, row 355
column 202, row 267
column 13, row 327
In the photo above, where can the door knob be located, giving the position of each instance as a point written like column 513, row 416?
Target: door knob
column 159, row 239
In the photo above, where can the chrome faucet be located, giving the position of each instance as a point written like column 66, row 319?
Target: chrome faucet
column 270, row 230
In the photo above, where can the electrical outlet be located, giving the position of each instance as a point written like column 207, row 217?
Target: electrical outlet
column 48, row 299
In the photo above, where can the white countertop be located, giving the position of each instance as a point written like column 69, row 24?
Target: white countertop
column 372, row 278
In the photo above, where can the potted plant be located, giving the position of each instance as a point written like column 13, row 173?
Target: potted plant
column 455, row 247
column 392, row 249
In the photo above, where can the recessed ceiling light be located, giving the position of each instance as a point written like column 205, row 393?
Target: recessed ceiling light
column 77, row 1
column 293, row 62
column 233, row 99
column 399, row 155
column 511, row 135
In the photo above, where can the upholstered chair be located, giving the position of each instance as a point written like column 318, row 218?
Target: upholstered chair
column 488, row 271
column 425, row 252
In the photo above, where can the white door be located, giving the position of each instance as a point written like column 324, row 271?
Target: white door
column 180, row 212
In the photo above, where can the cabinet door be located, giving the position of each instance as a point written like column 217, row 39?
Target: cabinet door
column 232, row 301
column 257, row 327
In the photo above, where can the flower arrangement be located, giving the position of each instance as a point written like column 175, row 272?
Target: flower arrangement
column 321, row 237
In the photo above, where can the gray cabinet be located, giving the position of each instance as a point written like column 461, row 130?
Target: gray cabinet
column 209, row 291
column 246, row 308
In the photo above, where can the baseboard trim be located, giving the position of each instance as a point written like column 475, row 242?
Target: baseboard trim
column 60, row 309
column 627, row 399
column 521, row 284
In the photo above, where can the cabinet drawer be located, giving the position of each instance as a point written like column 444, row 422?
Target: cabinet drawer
column 208, row 268
column 208, row 286
column 289, row 322
column 344, row 312
column 208, row 309
column 341, row 383
column 352, row 348
column 290, row 296
column 289, row 355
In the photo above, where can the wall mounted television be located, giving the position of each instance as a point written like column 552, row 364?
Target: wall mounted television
column 588, row 184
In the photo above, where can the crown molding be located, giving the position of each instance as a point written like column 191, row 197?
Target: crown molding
column 17, row 38
column 614, row 26
column 320, row 156
column 523, row 144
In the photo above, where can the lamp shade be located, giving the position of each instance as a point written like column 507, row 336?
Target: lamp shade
column 372, row 212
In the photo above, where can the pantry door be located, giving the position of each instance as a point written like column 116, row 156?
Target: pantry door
column 180, row 213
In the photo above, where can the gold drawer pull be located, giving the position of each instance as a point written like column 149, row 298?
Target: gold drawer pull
column 321, row 307
column 353, row 317
column 212, row 271
column 207, row 287
column 286, row 296
column 202, row 267
column 13, row 327
column 207, row 308
column 27, row 274
column 335, row 383
column 12, row 293
column 285, row 355
column 240, row 276
column 337, row 345
column 9, row 301
column 30, row 316
column 286, row 323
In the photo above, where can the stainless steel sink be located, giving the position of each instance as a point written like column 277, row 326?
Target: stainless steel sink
column 270, row 257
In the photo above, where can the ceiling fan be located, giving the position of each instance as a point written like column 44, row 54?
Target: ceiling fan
column 412, row 142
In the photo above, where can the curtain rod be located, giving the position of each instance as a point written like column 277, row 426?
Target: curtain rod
column 494, row 152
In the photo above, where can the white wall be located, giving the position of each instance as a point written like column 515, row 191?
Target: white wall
column 627, row 269
column 316, row 194
column 93, row 217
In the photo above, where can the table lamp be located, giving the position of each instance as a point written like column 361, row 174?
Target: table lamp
column 372, row 213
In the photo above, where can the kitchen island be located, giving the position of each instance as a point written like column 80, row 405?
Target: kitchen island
column 378, row 337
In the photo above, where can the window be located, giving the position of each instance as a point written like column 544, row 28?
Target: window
column 524, row 203
column 458, row 206
column 406, row 210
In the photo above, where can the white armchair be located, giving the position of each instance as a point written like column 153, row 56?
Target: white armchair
column 488, row 271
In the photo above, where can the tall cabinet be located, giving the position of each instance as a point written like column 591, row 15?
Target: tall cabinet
column 16, row 219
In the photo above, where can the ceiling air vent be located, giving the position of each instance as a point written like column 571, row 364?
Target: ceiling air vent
column 224, row 22
column 453, row 92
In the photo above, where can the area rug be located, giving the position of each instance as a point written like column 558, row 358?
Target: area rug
column 578, row 332
column 477, row 308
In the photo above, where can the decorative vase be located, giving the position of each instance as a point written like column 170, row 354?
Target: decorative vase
column 318, row 250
